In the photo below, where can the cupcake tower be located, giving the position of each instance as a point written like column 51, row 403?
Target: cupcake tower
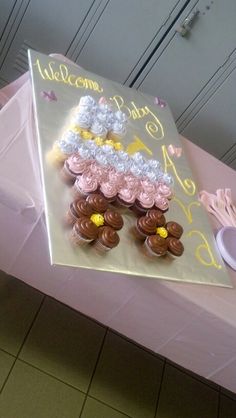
column 92, row 221
column 159, row 236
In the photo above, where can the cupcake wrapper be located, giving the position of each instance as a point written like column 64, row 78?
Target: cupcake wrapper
column 69, row 219
column 138, row 210
column 78, row 193
column 120, row 203
column 67, row 177
column 100, row 247
column 77, row 240
column 139, row 234
column 163, row 211
column 148, row 250
column 108, row 199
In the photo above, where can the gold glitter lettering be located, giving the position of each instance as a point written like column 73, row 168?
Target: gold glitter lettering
column 204, row 247
column 187, row 185
column 187, row 209
column 62, row 75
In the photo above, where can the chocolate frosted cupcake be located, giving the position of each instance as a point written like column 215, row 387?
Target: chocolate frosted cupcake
column 107, row 239
column 157, row 216
column 175, row 246
column 174, row 229
column 84, row 231
column 144, row 226
column 97, row 203
column 113, row 219
column 77, row 209
column 155, row 246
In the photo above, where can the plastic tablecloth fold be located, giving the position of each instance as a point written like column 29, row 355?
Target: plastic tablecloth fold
column 193, row 325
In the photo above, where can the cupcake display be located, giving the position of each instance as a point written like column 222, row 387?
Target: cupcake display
column 158, row 235
column 102, row 168
column 92, row 221
column 100, row 173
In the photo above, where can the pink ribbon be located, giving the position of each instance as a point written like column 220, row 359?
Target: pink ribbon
column 174, row 151
column 220, row 205
column 102, row 100
column 48, row 95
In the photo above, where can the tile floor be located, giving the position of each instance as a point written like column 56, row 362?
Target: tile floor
column 57, row 363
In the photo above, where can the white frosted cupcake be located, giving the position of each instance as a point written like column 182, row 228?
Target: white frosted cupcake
column 83, row 119
column 98, row 129
column 117, row 131
column 120, row 117
column 87, row 101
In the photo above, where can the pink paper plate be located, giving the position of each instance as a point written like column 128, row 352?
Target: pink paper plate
column 226, row 241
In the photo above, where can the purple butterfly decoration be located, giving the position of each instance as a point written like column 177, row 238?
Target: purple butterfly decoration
column 159, row 102
column 48, row 95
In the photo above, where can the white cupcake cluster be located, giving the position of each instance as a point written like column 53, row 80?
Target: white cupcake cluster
column 105, row 155
column 99, row 118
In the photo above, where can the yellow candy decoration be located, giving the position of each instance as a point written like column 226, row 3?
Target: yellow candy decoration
column 99, row 141
column 162, row 232
column 109, row 142
column 86, row 135
column 118, row 146
column 97, row 219
column 75, row 129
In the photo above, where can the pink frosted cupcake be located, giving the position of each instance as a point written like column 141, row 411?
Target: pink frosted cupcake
column 126, row 197
column 161, row 203
column 164, row 191
column 109, row 191
column 132, row 182
column 143, row 202
column 73, row 167
column 116, row 177
column 84, row 185
column 99, row 172
column 148, row 187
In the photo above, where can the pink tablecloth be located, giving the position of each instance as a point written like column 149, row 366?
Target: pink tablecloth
column 193, row 325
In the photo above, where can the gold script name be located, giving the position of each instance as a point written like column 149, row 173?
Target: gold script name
column 60, row 73
column 153, row 127
column 203, row 252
